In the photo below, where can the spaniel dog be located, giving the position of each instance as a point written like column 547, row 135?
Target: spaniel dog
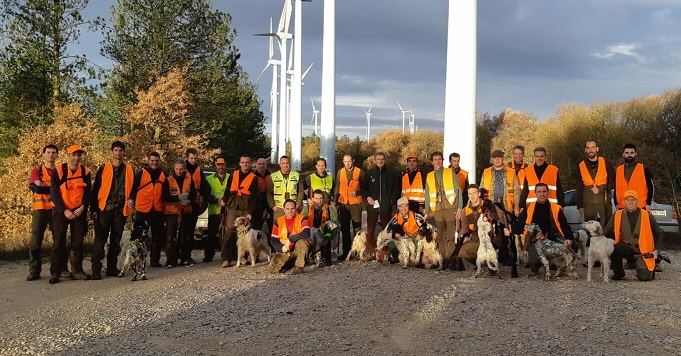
column 600, row 249
column 251, row 241
column 359, row 245
column 322, row 240
column 136, row 252
column 426, row 250
column 549, row 250
column 486, row 252
column 406, row 247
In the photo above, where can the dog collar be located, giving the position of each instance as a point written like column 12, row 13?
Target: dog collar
column 245, row 231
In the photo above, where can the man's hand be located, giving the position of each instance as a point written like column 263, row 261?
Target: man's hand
column 458, row 214
column 507, row 232
column 284, row 248
column 38, row 183
column 222, row 203
column 647, row 207
column 568, row 244
column 581, row 211
column 69, row 214
column 131, row 203
column 595, row 190
column 78, row 212
column 248, row 216
column 275, row 208
column 370, row 201
column 654, row 254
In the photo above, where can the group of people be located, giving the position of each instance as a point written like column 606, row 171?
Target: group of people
column 171, row 202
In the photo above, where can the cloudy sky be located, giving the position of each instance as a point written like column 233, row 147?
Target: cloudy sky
column 532, row 55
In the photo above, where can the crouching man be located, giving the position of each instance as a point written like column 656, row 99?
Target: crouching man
column 410, row 222
column 290, row 239
column 634, row 231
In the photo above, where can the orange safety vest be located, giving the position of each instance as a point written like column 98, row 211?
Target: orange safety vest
column 347, row 188
column 646, row 242
column 469, row 211
column 73, row 187
column 245, row 187
column 462, row 176
column 601, row 174
column 43, row 201
column 555, row 210
column 550, row 177
column 447, row 186
column 636, row 182
column 282, row 228
column 150, row 194
column 107, row 181
column 310, row 214
column 411, row 227
column 176, row 207
column 508, row 189
column 196, row 177
column 414, row 191
column 521, row 173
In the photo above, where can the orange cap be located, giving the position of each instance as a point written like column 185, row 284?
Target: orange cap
column 74, row 149
column 631, row 193
column 412, row 155
column 220, row 161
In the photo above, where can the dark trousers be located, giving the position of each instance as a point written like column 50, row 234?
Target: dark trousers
column 445, row 222
column 625, row 251
column 156, row 220
column 212, row 238
column 108, row 226
column 39, row 221
column 60, row 225
column 262, row 214
column 228, row 252
column 179, row 239
column 349, row 215
column 372, row 219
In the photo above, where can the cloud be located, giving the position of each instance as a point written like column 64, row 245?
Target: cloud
column 624, row 49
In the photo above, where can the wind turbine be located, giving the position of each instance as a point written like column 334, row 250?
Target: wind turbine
column 412, row 128
column 296, row 126
column 368, row 114
column 404, row 112
column 327, row 142
column 315, row 112
column 273, row 96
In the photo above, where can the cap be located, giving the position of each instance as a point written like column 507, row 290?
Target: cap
column 74, row 149
column 412, row 155
column 402, row 201
column 631, row 193
column 498, row 153
column 220, row 161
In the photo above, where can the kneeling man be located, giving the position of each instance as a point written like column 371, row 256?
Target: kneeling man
column 290, row 239
column 634, row 231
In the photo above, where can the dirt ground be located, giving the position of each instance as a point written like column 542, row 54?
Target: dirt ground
column 348, row 308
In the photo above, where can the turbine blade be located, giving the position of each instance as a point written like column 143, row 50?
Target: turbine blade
column 371, row 106
column 307, row 70
column 398, row 104
column 271, row 41
column 288, row 8
column 313, row 107
column 263, row 71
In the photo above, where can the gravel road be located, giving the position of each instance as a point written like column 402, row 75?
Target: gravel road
column 350, row 308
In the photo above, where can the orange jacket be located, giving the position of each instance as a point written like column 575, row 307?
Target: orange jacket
column 646, row 241
column 555, row 210
column 107, row 181
column 150, row 194
column 521, row 173
column 411, row 227
column 244, row 188
column 550, row 177
column 415, row 191
column 601, row 174
column 282, row 229
column 72, row 190
column 345, row 188
column 43, row 201
column 636, row 182
column 176, row 208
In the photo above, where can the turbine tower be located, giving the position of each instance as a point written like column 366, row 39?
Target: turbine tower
column 283, row 35
column 328, row 129
column 404, row 112
column 296, row 125
column 460, row 82
column 315, row 112
column 273, row 96
column 412, row 127
column 368, row 114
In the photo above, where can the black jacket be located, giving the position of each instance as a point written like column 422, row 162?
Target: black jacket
column 383, row 185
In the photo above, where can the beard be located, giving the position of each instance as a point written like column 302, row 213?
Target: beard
column 629, row 159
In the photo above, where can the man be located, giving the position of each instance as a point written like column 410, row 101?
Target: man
column 348, row 201
column 319, row 180
column 544, row 173
column 597, row 178
column 263, row 212
column 550, row 218
column 634, row 231
column 290, row 238
column 178, row 194
column 410, row 222
column 110, row 208
column 468, row 237
column 39, row 183
column 218, row 185
column 461, row 175
column 518, row 165
column 240, row 201
column 380, row 189
column 501, row 183
column 70, row 189
column 633, row 175
column 319, row 212
column 203, row 193
column 147, row 193
column 414, row 185
column 283, row 185
column 444, row 200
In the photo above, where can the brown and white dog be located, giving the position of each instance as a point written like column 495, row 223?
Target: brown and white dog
column 251, row 241
column 486, row 253
column 600, row 249
column 426, row 251
column 359, row 245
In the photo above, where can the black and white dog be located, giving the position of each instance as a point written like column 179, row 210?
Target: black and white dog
column 136, row 253
column 323, row 239
column 550, row 251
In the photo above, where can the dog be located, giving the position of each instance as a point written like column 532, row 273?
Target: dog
column 581, row 237
column 251, row 241
column 405, row 245
column 486, row 252
column 550, row 251
column 136, row 253
column 359, row 245
column 426, row 251
column 600, row 249
column 322, row 240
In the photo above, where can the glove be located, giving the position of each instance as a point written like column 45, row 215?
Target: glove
column 185, row 202
column 184, row 196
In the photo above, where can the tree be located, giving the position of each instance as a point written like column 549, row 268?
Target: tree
column 36, row 69
column 152, row 36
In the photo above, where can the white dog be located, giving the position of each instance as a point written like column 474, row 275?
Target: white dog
column 251, row 241
column 359, row 245
column 600, row 249
column 486, row 252
column 405, row 246
column 426, row 251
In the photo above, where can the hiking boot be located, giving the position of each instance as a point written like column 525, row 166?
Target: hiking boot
column 81, row 276
column 169, row 265
column 66, row 274
column 114, row 272
column 298, row 270
column 278, row 261
column 187, row 263
column 191, row 260
column 226, row 263
column 96, row 276
column 54, row 279
column 33, row 276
